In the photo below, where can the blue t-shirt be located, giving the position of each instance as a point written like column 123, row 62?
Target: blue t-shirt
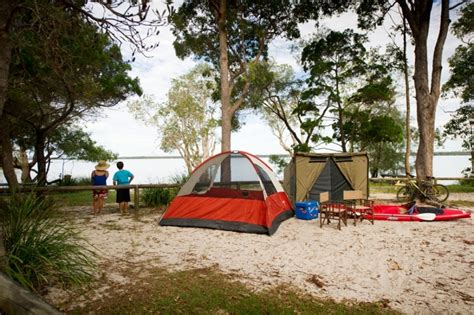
column 122, row 177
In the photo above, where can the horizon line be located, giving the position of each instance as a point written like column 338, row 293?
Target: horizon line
column 150, row 157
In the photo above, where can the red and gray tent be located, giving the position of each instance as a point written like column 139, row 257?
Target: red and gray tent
column 234, row 191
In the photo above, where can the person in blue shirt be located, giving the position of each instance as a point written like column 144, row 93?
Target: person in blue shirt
column 99, row 178
column 123, row 177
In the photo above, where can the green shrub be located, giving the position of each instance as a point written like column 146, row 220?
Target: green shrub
column 41, row 247
column 71, row 181
column 154, row 197
column 179, row 179
column 466, row 182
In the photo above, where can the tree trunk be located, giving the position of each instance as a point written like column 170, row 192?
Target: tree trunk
column 7, row 154
column 5, row 51
column 426, row 111
column 226, row 108
column 407, row 100
column 427, row 96
column 25, row 167
column 340, row 116
column 226, row 126
column 41, row 158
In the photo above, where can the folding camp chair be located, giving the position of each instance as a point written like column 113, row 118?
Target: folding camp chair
column 331, row 210
column 357, row 205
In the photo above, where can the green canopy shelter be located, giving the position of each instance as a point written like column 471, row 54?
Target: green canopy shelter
column 309, row 174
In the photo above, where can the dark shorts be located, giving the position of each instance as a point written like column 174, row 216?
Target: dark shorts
column 123, row 195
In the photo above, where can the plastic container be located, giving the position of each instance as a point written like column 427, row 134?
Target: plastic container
column 306, row 210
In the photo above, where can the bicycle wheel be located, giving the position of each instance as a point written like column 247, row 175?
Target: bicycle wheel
column 438, row 192
column 404, row 194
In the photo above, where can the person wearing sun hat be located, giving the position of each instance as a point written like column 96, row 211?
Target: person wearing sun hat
column 99, row 178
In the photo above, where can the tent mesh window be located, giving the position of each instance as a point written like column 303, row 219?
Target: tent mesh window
column 266, row 181
column 332, row 178
column 205, row 180
column 234, row 177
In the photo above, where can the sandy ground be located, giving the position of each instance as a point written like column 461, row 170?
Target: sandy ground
column 414, row 267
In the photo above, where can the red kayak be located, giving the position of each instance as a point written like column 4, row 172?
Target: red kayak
column 404, row 213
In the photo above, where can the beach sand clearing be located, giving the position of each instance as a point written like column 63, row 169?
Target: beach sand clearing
column 414, row 267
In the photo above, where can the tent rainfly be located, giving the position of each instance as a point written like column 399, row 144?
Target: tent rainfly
column 234, row 191
column 309, row 174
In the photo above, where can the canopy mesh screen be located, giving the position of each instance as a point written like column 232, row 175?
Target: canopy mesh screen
column 234, row 172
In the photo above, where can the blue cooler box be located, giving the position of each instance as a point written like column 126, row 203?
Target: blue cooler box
column 306, row 210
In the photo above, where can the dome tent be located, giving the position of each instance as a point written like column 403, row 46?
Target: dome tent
column 234, row 191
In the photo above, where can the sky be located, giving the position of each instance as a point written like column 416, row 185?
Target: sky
column 117, row 130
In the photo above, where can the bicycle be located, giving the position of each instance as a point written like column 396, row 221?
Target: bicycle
column 427, row 189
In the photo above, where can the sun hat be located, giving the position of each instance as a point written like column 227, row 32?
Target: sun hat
column 102, row 166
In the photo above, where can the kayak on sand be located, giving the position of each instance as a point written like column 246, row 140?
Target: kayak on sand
column 405, row 213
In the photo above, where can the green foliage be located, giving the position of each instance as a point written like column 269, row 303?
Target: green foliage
column 187, row 120
column 461, row 64
column 336, row 63
column 72, row 181
column 458, row 127
column 275, row 93
column 78, row 198
column 154, row 197
column 42, row 248
column 246, row 27
column 87, row 73
column 418, row 16
column 280, row 162
column 380, row 133
column 179, row 179
column 464, row 26
column 466, row 182
column 247, row 23
column 77, row 144
column 62, row 68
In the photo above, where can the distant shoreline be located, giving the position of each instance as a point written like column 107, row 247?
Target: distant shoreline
column 154, row 157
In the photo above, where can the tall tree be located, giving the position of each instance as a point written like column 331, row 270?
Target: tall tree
column 188, row 119
column 427, row 85
column 276, row 94
column 379, row 132
column 53, row 83
column 461, row 82
column 333, row 60
column 231, row 35
column 407, row 100
column 461, row 64
column 121, row 20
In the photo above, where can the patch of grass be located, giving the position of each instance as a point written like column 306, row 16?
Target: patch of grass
column 208, row 291
column 79, row 198
column 41, row 247
column 461, row 188
column 388, row 188
column 391, row 188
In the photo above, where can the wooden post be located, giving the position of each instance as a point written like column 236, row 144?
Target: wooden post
column 136, row 197
column 14, row 299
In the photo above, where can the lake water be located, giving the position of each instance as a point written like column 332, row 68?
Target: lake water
column 162, row 170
